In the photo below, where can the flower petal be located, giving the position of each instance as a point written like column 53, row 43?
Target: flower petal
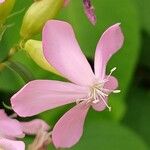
column 62, row 51
column 69, row 128
column 112, row 84
column 41, row 95
column 3, row 115
column 100, row 106
column 34, row 126
column 110, row 42
column 10, row 128
column 7, row 144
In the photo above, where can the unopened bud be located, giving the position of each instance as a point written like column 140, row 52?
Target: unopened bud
column 35, row 50
column 5, row 9
column 37, row 15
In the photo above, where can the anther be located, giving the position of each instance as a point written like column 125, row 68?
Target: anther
column 116, row 91
column 111, row 71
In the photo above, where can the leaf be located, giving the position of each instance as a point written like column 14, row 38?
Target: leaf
column 9, row 80
column 145, row 53
column 144, row 11
column 137, row 116
column 109, row 136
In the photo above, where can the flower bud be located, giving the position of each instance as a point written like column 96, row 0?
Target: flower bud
column 5, row 9
column 35, row 50
column 37, row 15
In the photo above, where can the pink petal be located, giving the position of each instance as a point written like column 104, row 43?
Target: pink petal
column 34, row 126
column 11, row 145
column 41, row 95
column 10, row 128
column 69, row 128
column 3, row 115
column 62, row 51
column 110, row 42
column 112, row 84
column 100, row 106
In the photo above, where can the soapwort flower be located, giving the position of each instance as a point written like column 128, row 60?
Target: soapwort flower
column 87, row 89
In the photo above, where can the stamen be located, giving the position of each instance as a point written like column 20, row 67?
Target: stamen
column 111, row 71
column 99, row 93
column 102, row 93
column 116, row 91
column 105, row 102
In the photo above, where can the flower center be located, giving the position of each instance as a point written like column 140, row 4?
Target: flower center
column 99, row 93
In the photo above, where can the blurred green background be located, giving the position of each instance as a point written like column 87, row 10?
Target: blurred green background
column 127, row 126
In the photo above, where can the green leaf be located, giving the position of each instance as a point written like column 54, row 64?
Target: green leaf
column 10, row 80
column 137, row 116
column 109, row 136
column 144, row 11
column 145, row 53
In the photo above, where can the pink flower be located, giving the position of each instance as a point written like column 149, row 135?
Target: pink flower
column 10, row 129
column 87, row 89
column 88, row 9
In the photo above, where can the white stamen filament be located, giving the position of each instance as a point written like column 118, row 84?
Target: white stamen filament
column 105, row 103
column 116, row 91
column 99, row 93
